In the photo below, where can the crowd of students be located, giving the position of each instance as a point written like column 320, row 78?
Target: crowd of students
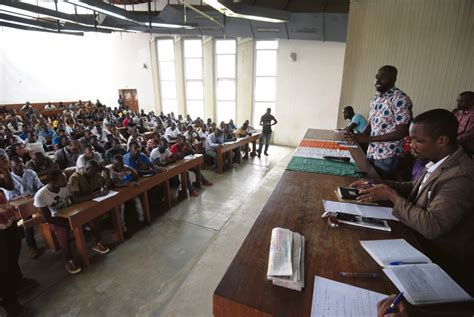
column 81, row 153
column 427, row 174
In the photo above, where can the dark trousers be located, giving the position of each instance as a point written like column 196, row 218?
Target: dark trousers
column 264, row 138
column 10, row 274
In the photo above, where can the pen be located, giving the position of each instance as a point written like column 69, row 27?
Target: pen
column 405, row 263
column 395, row 302
column 357, row 274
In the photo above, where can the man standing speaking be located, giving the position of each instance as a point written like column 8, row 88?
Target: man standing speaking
column 266, row 121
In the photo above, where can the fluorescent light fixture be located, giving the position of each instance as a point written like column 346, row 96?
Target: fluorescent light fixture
column 101, row 10
column 228, row 8
column 40, row 28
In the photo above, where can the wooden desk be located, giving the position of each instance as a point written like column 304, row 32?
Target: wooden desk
column 82, row 213
column 227, row 148
column 296, row 204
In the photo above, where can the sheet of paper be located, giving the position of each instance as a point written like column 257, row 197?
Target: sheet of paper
column 335, row 299
column 110, row 194
column 425, row 284
column 393, row 250
column 320, row 153
column 359, row 210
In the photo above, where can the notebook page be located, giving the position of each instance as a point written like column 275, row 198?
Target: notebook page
column 426, row 284
column 393, row 250
column 335, row 299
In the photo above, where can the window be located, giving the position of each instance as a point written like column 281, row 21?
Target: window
column 225, row 76
column 265, row 79
column 167, row 73
column 193, row 78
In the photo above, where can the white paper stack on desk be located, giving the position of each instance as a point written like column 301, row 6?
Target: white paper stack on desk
column 421, row 281
column 286, row 259
column 373, row 217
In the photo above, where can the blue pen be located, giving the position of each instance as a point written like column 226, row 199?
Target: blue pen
column 396, row 301
column 405, row 263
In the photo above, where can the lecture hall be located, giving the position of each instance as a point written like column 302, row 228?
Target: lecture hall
column 237, row 158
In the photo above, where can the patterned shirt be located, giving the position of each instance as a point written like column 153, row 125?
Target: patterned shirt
column 388, row 110
column 466, row 130
column 266, row 121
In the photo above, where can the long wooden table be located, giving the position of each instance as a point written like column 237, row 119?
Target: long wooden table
column 296, row 204
column 82, row 213
column 227, row 147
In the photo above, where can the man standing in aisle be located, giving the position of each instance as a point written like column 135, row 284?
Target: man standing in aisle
column 266, row 122
column 389, row 117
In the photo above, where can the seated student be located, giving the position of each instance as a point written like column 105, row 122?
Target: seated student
column 68, row 155
column 161, row 155
column 203, row 133
column 24, row 132
column 232, row 126
column 440, row 204
column 213, row 141
column 56, row 196
column 190, row 134
column 41, row 164
column 229, row 137
column 86, row 139
column 56, row 142
column 33, row 145
column 97, row 145
column 25, row 183
column 121, row 176
column 153, row 142
column 358, row 122
column 18, row 149
column 46, row 132
column 100, row 133
column 89, row 154
column 242, row 132
column 115, row 148
column 136, row 136
column 171, row 133
column 183, row 148
column 465, row 116
column 139, row 161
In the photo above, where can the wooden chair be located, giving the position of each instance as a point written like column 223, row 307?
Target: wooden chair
column 31, row 216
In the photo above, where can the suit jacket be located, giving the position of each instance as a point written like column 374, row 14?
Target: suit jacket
column 443, row 212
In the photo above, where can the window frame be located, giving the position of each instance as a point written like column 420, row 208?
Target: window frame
column 186, row 99
column 216, row 79
column 161, row 80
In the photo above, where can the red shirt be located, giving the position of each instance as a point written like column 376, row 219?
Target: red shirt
column 174, row 149
column 125, row 122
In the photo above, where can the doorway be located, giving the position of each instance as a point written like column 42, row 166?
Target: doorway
column 130, row 99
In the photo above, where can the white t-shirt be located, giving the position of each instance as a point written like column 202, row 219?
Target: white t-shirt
column 171, row 135
column 82, row 160
column 54, row 201
column 157, row 156
column 35, row 147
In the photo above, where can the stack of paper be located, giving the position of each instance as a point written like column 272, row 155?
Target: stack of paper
column 375, row 212
column 412, row 272
column 286, row 260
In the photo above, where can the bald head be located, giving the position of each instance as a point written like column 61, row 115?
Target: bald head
column 385, row 78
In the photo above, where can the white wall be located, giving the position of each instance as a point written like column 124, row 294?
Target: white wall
column 307, row 90
column 39, row 67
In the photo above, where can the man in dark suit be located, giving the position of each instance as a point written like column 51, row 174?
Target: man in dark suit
column 440, row 204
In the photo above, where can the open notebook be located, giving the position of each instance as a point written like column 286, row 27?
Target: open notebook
column 412, row 272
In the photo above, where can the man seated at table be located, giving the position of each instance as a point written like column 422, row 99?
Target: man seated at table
column 161, row 155
column 56, row 196
column 213, row 141
column 67, row 156
column 139, row 161
column 122, row 176
column 230, row 137
column 440, row 204
column 357, row 121
column 171, row 133
column 33, row 144
column 41, row 164
column 89, row 154
column 242, row 132
column 465, row 116
column 25, row 183
column 56, row 142
column 116, row 148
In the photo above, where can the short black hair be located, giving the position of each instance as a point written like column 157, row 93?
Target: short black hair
column 16, row 159
column 54, row 175
column 349, row 108
column 133, row 142
column 439, row 122
column 118, row 157
column 390, row 69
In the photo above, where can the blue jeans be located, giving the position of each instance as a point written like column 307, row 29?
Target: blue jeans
column 264, row 138
column 387, row 167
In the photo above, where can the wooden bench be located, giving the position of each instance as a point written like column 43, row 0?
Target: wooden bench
column 227, row 147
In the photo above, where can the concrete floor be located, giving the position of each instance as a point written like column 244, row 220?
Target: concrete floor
column 170, row 268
